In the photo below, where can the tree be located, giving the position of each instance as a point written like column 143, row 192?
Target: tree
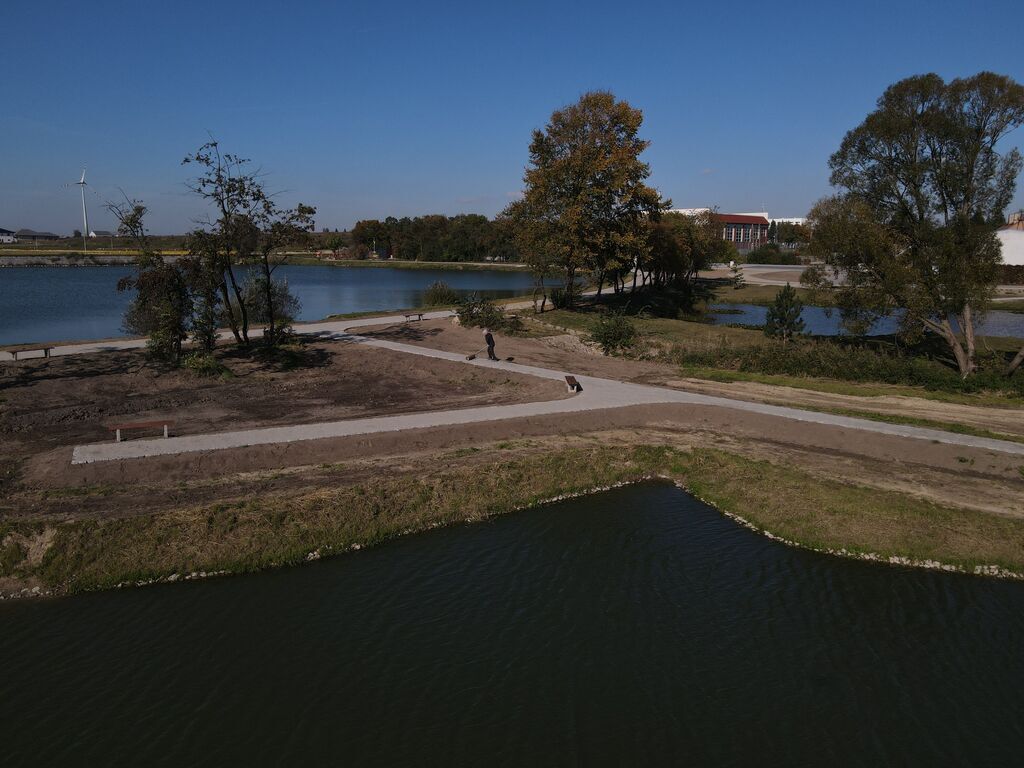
column 923, row 190
column 584, row 188
column 249, row 228
column 679, row 247
column 162, row 305
column 783, row 320
column 773, row 232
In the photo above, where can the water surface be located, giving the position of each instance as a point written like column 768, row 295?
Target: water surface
column 636, row 627
column 823, row 322
column 75, row 303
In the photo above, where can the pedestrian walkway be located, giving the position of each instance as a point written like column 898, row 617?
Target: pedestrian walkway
column 597, row 394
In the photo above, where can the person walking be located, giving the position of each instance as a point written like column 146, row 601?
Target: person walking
column 489, row 340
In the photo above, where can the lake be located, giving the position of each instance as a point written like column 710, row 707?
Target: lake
column 820, row 322
column 632, row 627
column 76, row 303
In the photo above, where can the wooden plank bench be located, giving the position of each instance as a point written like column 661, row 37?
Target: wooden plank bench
column 116, row 428
column 572, row 384
column 15, row 351
column 410, row 315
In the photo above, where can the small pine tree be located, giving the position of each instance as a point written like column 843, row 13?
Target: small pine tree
column 783, row 319
column 737, row 276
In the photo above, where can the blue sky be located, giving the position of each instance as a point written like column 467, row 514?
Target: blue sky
column 369, row 109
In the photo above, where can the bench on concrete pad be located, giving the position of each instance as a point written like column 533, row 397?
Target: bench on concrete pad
column 410, row 315
column 15, row 351
column 572, row 384
column 116, row 428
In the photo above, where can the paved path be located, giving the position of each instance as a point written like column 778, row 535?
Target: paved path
column 597, row 394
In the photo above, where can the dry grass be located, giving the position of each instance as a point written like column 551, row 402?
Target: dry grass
column 279, row 528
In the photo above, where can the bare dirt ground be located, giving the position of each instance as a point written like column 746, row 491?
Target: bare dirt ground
column 50, row 406
column 66, row 401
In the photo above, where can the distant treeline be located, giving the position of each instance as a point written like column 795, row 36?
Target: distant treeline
column 467, row 237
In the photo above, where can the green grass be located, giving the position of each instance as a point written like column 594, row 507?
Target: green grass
column 857, row 389
column 912, row 421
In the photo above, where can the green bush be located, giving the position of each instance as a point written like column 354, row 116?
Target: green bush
column 772, row 254
column 561, row 298
column 848, row 362
column 440, row 294
column 203, row 364
column 613, row 331
column 476, row 312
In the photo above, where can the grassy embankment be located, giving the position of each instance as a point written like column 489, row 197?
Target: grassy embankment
column 869, row 367
column 271, row 529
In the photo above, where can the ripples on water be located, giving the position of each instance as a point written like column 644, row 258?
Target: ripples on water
column 636, row 627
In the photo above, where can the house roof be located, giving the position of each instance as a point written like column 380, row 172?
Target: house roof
column 32, row 232
column 6, row 231
column 740, row 218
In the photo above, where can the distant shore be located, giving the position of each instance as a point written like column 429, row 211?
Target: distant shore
column 126, row 258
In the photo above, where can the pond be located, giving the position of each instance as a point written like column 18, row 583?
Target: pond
column 633, row 627
column 821, row 322
column 77, row 303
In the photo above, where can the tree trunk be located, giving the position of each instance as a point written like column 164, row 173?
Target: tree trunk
column 945, row 330
column 232, row 322
column 600, row 283
column 1015, row 363
column 268, row 287
column 241, row 305
column 967, row 326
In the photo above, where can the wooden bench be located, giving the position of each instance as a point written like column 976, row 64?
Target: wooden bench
column 410, row 315
column 15, row 351
column 116, row 428
column 574, row 386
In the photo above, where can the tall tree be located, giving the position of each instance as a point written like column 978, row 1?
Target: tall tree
column 923, row 190
column 584, row 187
column 248, row 229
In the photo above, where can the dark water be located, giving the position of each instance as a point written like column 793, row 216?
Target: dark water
column 818, row 321
column 637, row 627
column 51, row 304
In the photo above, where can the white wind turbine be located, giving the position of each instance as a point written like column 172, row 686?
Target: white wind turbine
column 81, row 184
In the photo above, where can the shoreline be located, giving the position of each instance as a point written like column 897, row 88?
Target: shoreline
column 79, row 259
column 92, row 555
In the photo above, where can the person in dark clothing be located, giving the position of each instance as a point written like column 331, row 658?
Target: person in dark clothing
column 489, row 339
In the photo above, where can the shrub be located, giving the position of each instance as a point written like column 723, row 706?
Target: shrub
column 204, row 364
column 1011, row 274
column 476, row 312
column 772, row 254
column 613, row 331
column 286, row 304
column 561, row 298
column 439, row 294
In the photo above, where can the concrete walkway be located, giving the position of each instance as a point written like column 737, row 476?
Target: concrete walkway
column 597, row 394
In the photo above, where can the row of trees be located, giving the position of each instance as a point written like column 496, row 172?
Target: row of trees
column 467, row 237
column 586, row 206
column 227, row 275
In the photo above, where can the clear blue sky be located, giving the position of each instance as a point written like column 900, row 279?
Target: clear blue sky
column 369, row 109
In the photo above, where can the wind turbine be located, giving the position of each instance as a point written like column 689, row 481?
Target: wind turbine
column 81, row 184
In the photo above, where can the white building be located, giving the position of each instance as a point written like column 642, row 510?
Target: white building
column 7, row 236
column 1012, row 238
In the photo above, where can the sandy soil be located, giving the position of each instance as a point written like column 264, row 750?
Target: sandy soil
column 67, row 401
column 51, row 406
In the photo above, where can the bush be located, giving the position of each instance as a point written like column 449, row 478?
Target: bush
column 561, row 298
column 204, row 364
column 477, row 312
column 286, row 305
column 1011, row 274
column 613, row 331
column 848, row 362
column 440, row 294
column 772, row 254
